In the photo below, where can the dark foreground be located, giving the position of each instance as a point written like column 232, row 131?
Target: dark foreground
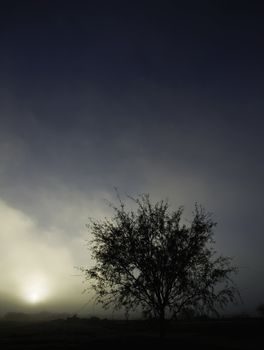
column 94, row 334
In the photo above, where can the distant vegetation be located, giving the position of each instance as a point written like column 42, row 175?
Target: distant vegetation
column 148, row 259
column 40, row 316
column 260, row 310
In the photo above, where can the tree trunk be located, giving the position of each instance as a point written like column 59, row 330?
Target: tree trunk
column 162, row 323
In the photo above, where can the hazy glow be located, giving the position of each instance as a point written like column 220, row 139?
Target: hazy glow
column 36, row 290
column 37, row 265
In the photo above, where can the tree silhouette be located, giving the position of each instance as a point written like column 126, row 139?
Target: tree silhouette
column 148, row 259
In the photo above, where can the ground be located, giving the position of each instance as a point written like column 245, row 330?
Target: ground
column 82, row 334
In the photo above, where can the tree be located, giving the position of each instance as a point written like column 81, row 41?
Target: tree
column 147, row 258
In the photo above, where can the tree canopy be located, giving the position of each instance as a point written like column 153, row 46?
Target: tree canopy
column 149, row 259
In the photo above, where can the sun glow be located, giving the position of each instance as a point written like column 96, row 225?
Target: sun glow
column 34, row 297
column 36, row 290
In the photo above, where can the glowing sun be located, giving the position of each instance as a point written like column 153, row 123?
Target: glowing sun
column 33, row 296
column 36, row 290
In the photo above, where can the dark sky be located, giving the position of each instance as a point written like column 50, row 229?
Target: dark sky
column 156, row 98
